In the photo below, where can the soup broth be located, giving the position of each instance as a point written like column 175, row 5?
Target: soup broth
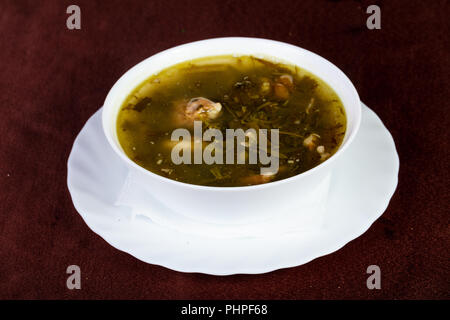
column 228, row 92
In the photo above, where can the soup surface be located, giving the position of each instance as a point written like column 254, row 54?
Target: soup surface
column 227, row 92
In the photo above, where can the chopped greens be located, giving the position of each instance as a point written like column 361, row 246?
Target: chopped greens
column 228, row 92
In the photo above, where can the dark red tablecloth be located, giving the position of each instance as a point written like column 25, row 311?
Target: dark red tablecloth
column 53, row 79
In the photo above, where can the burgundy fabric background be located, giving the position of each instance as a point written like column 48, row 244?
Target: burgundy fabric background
column 53, row 79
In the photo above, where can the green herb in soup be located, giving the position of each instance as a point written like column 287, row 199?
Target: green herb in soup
column 227, row 92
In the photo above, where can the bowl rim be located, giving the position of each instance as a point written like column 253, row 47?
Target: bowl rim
column 324, row 164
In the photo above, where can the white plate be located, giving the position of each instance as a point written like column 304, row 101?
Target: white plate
column 362, row 184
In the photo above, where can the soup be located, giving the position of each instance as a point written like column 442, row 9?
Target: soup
column 291, row 115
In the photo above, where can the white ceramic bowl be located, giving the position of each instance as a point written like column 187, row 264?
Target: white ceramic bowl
column 234, row 204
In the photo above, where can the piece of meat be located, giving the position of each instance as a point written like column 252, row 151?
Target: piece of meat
column 186, row 112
